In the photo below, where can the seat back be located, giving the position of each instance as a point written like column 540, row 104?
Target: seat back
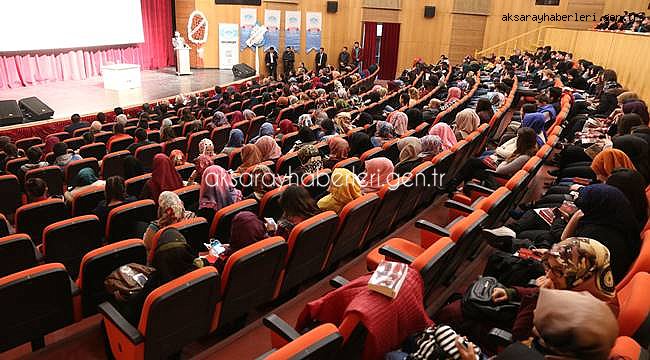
column 249, row 278
column 72, row 169
column 86, row 200
column 308, row 243
column 270, row 204
column 433, row 264
column 219, row 137
column 321, row 343
column 354, row 221
column 94, row 150
column 185, row 170
column 97, row 264
column 288, row 141
column 254, row 127
column 626, row 348
column 196, row 232
column 129, row 221
column 179, row 312
column 317, row 183
column 391, row 198
column 135, row 185
column 17, row 253
column 67, row 241
column 190, row 196
column 391, row 150
column 287, row 164
column 75, row 143
column 103, row 137
column 35, row 302
column 113, row 164
column 52, row 175
column 193, row 143
column 220, row 228
column 372, row 153
column 497, row 206
column 466, row 234
column 353, row 164
column 119, row 144
column 13, row 165
column 32, row 218
column 634, row 309
column 145, row 154
column 26, row 143
column 179, row 143
column 10, row 194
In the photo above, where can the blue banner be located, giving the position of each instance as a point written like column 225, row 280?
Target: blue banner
column 247, row 21
column 314, row 30
column 272, row 23
column 292, row 29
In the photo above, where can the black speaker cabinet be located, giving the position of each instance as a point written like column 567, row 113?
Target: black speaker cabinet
column 10, row 113
column 243, row 71
column 332, row 6
column 35, row 109
column 429, row 11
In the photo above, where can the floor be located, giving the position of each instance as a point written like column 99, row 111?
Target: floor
column 63, row 96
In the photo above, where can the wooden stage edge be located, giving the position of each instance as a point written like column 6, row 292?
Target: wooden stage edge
column 49, row 121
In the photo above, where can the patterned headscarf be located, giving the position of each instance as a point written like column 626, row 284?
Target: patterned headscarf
column 400, row 121
column 339, row 147
column 171, row 209
column 385, row 130
column 305, row 120
column 217, row 189
column 269, row 148
column 236, row 138
column 431, row 145
column 310, row 159
column 219, row 119
column 249, row 114
column 409, row 149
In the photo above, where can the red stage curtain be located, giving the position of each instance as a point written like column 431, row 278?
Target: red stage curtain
column 369, row 43
column 79, row 64
column 389, row 51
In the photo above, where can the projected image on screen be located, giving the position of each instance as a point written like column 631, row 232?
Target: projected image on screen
column 69, row 24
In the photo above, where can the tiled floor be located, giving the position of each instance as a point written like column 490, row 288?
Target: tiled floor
column 89, row 96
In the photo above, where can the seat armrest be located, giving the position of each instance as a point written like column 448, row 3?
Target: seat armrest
column 431, row 227
column 474, row 187
column 266, row 354
column 74, row 289
column 458, row 206
column 38, row 256
column 395, row 254
column 111, row 314
column 338, row 281
column 495, row 174
column 500, row 337
column 280, row 327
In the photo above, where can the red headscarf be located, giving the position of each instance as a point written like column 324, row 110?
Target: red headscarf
column 286, row 126
column 237, row 116
column 339, row 147
column 164, row 176
column 50, row 141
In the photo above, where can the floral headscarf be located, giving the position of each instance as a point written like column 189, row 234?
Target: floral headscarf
column 171, row 209
column 400, row 121
column 431, row 145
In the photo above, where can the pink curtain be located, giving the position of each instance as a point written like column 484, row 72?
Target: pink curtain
column 17, row 70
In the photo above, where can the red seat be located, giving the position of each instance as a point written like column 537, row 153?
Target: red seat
column 185, row 170
column 372, row 153
column 173, row 315
column 190, row 196
column 254, row 127
column 36, row 302
column 13, row 165
column 287, row 164
column 129, row 221
column 145, row 154
column 75, row 143
column 242, row 125
column 179, row 143
column 53, row 177
column 317, row 183
column 234, row 159
column 391, row 198
column 628, row 349
column 634, row 309
column 96, row 150
column 353, row 164
column 17, row 253
column 97, row 264
column 32, row 218
column 86, row 200
column 288, row 141
column 270, row 203
column 321, row 343
column 248, row 279
column 135, row 185
column 220, row 228
column 10, row 195
column 64, row 135
column 220, row 137
column 102, row 137
column 67, row 241
column 72, row 169
column 119, row 144
column 26, row 143
column 113, row 164
column 308, row 243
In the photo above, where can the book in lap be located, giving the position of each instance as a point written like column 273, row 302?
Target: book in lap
column 388, row 278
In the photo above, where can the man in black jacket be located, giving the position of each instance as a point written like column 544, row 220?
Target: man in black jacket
column 76, row 124
column 271, row 60
column 321, row 60
column 288, row 59
column 344, row 58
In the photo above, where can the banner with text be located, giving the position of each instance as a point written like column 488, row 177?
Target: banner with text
column 314, row 30
column 272, row 22
column 292, row 20
column 228, row 46
column 247, row 20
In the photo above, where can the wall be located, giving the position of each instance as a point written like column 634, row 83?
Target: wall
column 616, row 7
column 620, row 52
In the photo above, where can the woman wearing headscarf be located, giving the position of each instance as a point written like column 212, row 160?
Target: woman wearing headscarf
column 177, row 157
column 536, row 122
column 453, row 95
column 250, row 156
column 359, row 143
column 263, row 180
column 327, row 129
column 269, row 148
column 605, row 214
column 236, row 117
column 363, row 119
column 170, row 211
column 638, row 107
column 310, row 160
column 379, row 172
column 206, row 158
column 385, row 132
column 466, row 122
column 85, row 178
column 164, row 177
column 409, row 151
column 399, row 120
column 305, row 120
column 607, row 161
column 265, row 129
column 235, row 141
column 62, row 156
column 633, row 186
column 50, row 141
column 637, row 150
column 342, row 121
column 218, row 119
column 339, row 149
column 286, row 127
column 431, row 146
column 344, row 187
column 246, row 229
column 297, row 206
column 217, row 191
column 306, row 137
column 249, row 114
column 446, row 134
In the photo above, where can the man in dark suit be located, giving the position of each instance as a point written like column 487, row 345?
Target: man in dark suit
column 288, row 59
column 356, row 54
column 76, row 124
column 271, row 60
column 344, row 58
column 321, row 60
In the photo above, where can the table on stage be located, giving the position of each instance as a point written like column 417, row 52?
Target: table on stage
column 121, row 76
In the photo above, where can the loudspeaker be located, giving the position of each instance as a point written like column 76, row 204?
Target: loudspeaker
column 332, row 6
column 429, row 11
column 10, row 113
column 35, row 109
column 243, row 71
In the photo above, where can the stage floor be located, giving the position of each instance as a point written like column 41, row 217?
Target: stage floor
column 89, row 96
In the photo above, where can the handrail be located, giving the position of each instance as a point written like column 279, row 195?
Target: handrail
column 537, row 30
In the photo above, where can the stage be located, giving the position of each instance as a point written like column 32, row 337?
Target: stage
column 89, row 96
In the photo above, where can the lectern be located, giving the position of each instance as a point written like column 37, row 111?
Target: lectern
column 183, row 61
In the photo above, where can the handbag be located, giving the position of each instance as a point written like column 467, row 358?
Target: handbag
column 127, row 280
column 511, row 270
column 477, row 302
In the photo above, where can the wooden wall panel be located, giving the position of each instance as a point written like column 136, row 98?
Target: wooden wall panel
column 383, row 4
column 476, row 7
column 621, row 52
column 466, row 36
column 616, row 7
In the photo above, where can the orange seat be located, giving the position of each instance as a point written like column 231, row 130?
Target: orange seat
column 86, row 200
column 193, row 141
column 53, row 177
column 10, row 195
column 287, row 164
column 353, row 164
column 641, row 264
column 628, row 349
column 17, row 253
column 146, row 153
column 135, row 185
column 67, row 241
column 220, row 226
column 72, row 169
column 190, row 196
column 95, row 150
column 321, row 343
column 119, row 144
column 32, row 218
column 129, row 221
column 634, row 309
column 390, row 195
column 113, row 164
column 178, row 143
column 270, row 204
column 318, row 183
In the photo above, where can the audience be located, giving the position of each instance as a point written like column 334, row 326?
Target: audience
column 164, row 177
column 297, row 206
column 344, row 187
column 217, row 191
column 114, row 196
column 170, row 211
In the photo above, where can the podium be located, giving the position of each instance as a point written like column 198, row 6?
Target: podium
column 121, row 76
column 183, row 61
